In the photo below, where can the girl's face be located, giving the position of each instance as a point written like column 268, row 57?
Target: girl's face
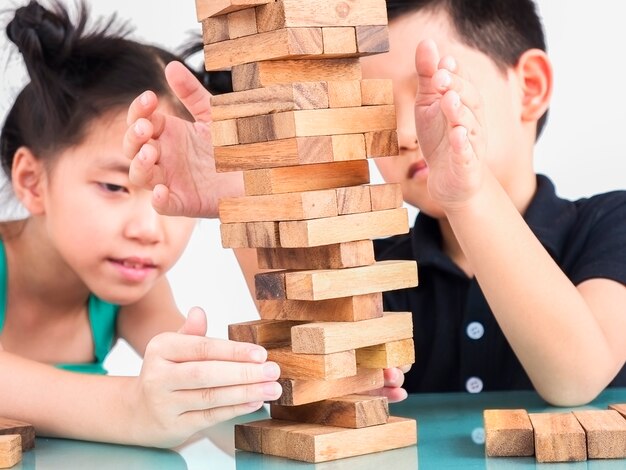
column 104, row 227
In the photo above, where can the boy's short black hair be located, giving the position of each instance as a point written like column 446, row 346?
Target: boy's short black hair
column 501, row 29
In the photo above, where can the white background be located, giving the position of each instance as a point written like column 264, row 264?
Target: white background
column 582, row 148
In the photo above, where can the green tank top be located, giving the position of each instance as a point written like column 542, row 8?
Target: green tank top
column 102, row 318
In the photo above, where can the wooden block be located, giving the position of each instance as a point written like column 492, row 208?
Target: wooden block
column 606, row 433
column 508, row 433
column 296, row 13
column 306, row 177
column 344, row 93
column 301, row 392
column 333, row 283
column 387, row 355
column 559, row 437
column 343, row 228
column 26, row 430
column 315, row 443
column 10, row 450
column 339, row 41
column 250, row 235
column 215, row 29
column 315, row 122
column 290, row 43
column 382, row 143
column 273, row 99
column 344, row 309
column 242, row 23
column 267, row 333
column 209, row 8
column 620, row 408
column 351, row 411
column 224, row 133
column 386, row 196
column 338, row 256
column 376, row 92
column 264, row 74
column 270, row 286
column 372, row 39
column 288, row 206
column 353, row 200
column 327, row 337
column 313, row 366
column 348, row 147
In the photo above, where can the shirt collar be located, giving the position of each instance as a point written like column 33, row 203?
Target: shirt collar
column 548, row 216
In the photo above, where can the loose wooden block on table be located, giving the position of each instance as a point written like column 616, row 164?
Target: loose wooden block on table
column 264, row 74
column 559, row 437
column 315, row 443
column 306, row 177
column 350, row 411
column 343, row 228
column 387, row 355
column 250, row 235
column 313, row 366
column 273, row 99
column 288, row 206
column 10, row 450
column 301, row 392
column 508, row 433
column 337, row 256
column 267, row 333
column 26, row 430
column 315, row 122
column 329, row 337
column 289, row 152
column 333, row 283
column 344, row 309
column 209, row 8
column 606, row 433
column 296, row 13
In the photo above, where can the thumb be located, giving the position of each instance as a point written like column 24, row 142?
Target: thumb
column 195, row 324
column 189, row 91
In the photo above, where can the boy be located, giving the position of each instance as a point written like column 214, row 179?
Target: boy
column 519, row 288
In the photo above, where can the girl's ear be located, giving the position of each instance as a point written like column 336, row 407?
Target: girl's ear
column 28, row 177
column 535, row 72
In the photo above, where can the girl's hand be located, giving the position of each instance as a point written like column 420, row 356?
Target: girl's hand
column 189, row 382
column 449, row 123
column 173, row 157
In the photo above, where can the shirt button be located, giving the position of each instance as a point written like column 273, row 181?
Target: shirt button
column 475, row 330
column 474, row 385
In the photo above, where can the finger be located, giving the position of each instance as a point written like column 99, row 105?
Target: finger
column 462, row 149
column 195, row 323
column 175, row 347
column 457, row 113
column 426, row 61
column 143, row 169
column 444, row 81
column 203, row 419
column 393, row 394
column 161, row 200
column 405, row 369
column 142, row 106
column 189, row 91
column 217, row 397
column 135, row 136
column 394, row 377
column 206, row 374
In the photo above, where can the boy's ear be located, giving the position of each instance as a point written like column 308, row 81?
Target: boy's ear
column 535, row 73
column 28, row 177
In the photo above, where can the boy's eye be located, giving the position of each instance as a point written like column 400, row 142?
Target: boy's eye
column 112, row 188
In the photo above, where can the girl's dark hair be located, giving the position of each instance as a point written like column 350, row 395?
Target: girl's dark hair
column 76, row 76
column 501, row 29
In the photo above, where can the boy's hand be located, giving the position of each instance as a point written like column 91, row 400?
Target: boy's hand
column 394, row 378
column 174, row 157
column 189, row 382
column 448, row 118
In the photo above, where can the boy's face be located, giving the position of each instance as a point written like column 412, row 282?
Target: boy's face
column 103, row 227
column 500, row 91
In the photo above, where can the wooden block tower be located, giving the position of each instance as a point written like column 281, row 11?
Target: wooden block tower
column 301, row 124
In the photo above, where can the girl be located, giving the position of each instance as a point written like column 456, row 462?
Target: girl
column 88, row 265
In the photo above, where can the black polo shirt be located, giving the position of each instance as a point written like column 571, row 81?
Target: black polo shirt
column 459, row 345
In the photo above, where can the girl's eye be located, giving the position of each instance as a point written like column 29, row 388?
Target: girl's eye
column 112, row 188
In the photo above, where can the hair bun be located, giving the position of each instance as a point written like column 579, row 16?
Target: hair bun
column 41, row 35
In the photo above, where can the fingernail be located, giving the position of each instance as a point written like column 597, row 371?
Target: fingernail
column 143, row 99
column 272, row 390
column 445, row 80
column 456, row 102
column 271, row 370
column 258, row 355
column 255, row 405
column 140, row 129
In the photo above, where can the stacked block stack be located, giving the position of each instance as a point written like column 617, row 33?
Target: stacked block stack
column 301, row 124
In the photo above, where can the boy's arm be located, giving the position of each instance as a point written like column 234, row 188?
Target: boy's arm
column 187, row 383
column 568, row 338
